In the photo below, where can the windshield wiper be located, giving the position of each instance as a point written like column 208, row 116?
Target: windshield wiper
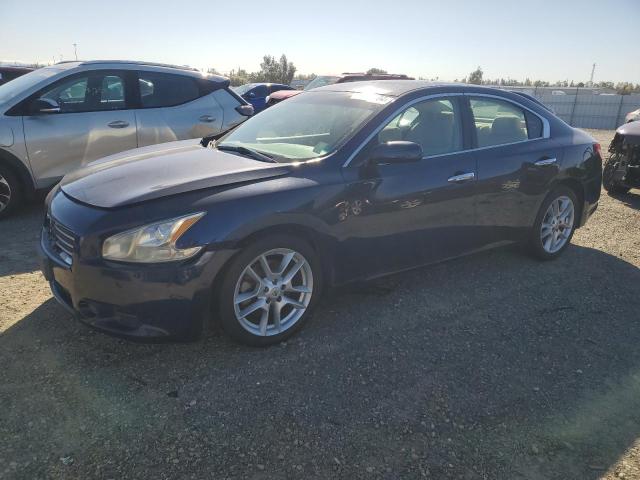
column 250, row 152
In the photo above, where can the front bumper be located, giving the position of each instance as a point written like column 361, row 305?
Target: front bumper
column 140, row 302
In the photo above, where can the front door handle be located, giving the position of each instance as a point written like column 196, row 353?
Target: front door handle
column 461, row 178
column 118, row 124
column 545, row 161
column 207, row 118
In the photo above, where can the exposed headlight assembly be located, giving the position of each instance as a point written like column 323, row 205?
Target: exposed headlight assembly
column 152, row 243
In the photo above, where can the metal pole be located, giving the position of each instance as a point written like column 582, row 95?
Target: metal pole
column 617, row 119
column 573, row 110
column 75, row 50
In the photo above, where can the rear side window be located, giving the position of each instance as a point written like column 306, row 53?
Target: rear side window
column 165, row 89
column 498, row 122
column 534, row 125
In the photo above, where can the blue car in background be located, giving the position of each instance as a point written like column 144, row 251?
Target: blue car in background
column 257, row 93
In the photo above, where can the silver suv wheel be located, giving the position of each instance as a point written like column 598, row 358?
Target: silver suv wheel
column 5, row 193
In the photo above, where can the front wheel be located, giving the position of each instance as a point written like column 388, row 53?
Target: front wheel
column 554, row 225
column 269, row 290
column 10, row 192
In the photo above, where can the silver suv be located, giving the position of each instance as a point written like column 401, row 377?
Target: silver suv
column 55, row 119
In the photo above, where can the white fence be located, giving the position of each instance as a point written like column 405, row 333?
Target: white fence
column 584, row 109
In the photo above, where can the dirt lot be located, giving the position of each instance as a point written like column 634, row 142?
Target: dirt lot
column 490, row 366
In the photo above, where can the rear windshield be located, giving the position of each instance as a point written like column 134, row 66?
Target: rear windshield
column 321, row 82
column 242, row 89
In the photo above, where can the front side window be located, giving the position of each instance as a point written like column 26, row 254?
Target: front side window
column 433, row 124
column 306, row 126
column 499, row 122
column 71, row 95
column 166, row 89
column 93, row 92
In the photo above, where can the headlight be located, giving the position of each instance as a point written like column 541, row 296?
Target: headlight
column 155, row 242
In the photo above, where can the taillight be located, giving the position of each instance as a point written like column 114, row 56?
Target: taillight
column 597, row 149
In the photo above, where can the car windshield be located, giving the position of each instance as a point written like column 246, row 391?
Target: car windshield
column 242, row 89
column 321, row 82
column 24, row 82
column 307, row 126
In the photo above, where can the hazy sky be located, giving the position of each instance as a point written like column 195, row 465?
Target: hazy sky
column 541, row 39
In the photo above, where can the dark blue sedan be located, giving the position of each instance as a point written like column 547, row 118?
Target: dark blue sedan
column 258, row 93
column 347, row 182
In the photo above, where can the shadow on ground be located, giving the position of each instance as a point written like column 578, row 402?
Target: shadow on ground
column 492, row 366
column 19, row 235
column 630, row 199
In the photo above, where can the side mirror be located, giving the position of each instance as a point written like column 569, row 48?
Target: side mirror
column 396, row 152
column 45, row 105
column 245, row 110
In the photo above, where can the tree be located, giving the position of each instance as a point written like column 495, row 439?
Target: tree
column 305, row 76
column 375, row 71
column 238, row 77
column 475, row 77
column 274, row 71
column 213, row 71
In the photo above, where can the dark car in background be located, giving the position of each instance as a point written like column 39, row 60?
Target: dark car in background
column 323, row 80
column 343, row 183
column 257, row 94
column 9, row 72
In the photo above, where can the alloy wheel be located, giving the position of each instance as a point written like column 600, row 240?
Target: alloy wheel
column 273, row 292
column 5, row 193
column 557, row 224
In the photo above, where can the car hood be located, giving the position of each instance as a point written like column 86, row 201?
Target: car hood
column 630, row 132
column 160, row 170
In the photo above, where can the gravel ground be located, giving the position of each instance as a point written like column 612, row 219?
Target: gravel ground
column 490, row 366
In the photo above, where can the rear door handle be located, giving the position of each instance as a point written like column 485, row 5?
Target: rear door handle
column 545, row 161
column 207, row 118
column 118, row 124
column 463, row 177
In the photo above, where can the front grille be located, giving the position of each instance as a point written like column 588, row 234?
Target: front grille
column 62, row 240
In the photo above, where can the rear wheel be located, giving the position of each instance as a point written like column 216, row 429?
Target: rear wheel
column 608, row 171
column 269, row 290
column 554, row 225
column 10, row 192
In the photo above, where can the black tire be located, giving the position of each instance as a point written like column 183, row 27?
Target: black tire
column 226, row 291
column 607, row 177
column 535, row 244
column 11, row 194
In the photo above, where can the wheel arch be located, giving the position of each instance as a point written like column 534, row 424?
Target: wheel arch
column 319, row 241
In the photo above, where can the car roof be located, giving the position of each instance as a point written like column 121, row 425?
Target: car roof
column 397, row 88
column 391, row 88
column 130, row 64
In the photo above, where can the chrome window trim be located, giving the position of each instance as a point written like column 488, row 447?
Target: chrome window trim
column 546, row 129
